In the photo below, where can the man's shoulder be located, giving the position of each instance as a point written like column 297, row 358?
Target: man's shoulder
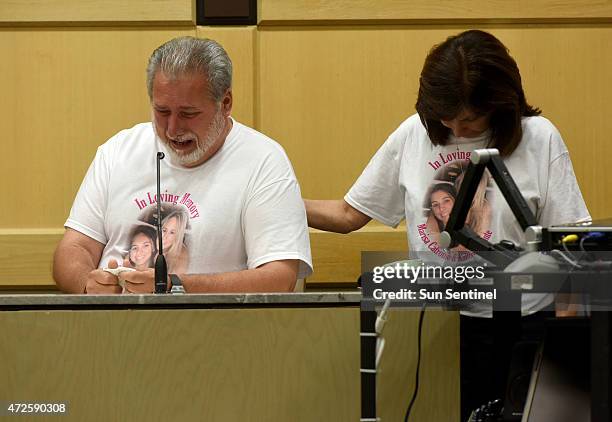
column 139, row 130
column 257, row 143
column 134, row 139
column 253, row 135
column 256, row 154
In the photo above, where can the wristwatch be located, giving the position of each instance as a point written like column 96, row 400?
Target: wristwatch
column 176, row 285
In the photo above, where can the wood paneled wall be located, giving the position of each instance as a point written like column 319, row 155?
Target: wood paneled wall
column 328, row 81
column 423, row 11
column 240, row 46
column 65, row 12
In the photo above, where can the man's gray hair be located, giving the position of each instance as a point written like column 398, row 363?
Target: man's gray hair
column 185, row 55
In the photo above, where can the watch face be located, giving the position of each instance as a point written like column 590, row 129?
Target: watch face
column 177, row 289
column 177, row 285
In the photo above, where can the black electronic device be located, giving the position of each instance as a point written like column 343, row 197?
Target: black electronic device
column 581, row 236
column 559, row 387
column 589, row 235
column 519, row 379
column 176, row 284
column 161, row 268
column 456, row 232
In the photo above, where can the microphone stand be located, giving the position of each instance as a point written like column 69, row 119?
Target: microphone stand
column 161, row 269
column 456, row 232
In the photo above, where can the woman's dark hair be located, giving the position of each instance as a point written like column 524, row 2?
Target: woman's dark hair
column 473, row 71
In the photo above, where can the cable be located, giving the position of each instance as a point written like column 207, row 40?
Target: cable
column 381, row 319
column 570, row 238
column 418, row 365
column 566, row 258
column 592, row 235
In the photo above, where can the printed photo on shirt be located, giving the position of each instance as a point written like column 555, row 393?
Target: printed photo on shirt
column 142, row 249
column 143, row 240
column 440, row 200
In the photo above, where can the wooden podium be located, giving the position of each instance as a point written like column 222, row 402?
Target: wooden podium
column 248, row 357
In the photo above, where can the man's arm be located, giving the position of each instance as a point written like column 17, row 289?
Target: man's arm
column 274, row 276
column 334, row 216
column 75, row 265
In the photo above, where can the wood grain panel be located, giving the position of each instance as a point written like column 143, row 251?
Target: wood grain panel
column 337, row 257
column 331, row 96
column 221, row 364
column 434, row 402
column 26, row 257
column 342, row 90
column 71, row 11
column 342, row 11
column 239, row 42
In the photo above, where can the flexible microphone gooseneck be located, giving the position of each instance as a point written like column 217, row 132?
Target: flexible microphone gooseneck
column 161, row 269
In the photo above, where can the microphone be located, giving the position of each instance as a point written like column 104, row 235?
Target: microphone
column 161, row 269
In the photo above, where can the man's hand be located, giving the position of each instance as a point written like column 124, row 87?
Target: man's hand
column 101, row 282
column 139, row 282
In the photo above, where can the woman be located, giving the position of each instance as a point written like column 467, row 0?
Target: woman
column 143, row 248
column 441, row 202
column 174, row 227
column 470, row 97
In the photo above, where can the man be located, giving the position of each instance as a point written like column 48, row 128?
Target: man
column 246, row 230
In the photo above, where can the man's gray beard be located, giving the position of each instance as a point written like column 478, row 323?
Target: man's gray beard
column 202, row 145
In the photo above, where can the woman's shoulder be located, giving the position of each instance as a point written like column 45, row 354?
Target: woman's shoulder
column 410, row 132
column 538, row 125
column 542, row 136
column 412, row 125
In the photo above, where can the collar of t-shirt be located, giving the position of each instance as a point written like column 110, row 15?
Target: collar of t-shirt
column 483, row 137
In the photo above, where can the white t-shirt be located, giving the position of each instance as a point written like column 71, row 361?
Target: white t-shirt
column 240, row 209
column 410, row 178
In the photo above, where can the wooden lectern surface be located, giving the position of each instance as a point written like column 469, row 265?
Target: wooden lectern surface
column 288, row 358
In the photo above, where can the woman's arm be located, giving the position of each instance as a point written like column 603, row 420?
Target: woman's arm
column 334, row 216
